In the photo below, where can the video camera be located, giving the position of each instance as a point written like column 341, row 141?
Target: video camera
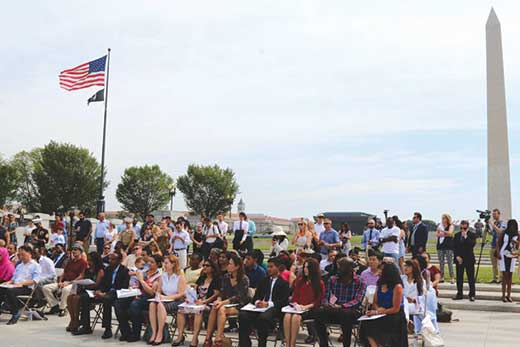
column 485, row 215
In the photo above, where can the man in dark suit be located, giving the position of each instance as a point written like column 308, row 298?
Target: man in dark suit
column 59, row 257
column 272, row 293
column 418, row 235
column 463, row 243
column 116, row 277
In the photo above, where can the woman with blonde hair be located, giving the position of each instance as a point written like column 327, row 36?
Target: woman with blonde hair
column 445, row 232
column 315, row 240
column 303, row 237
column 170, row 291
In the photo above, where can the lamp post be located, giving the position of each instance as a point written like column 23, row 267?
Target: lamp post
column 385, row 212
column 173, row 192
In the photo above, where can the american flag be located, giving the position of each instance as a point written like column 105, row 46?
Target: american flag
column 84, row 75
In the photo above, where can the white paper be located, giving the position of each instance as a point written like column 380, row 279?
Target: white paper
column 376, row 316
column 159, row 300
column 7, row 286
column 192, row 306
column 292, row 310
column 90, row 293
column 253, row 308
column 226, row 305
column 84, row 282
column 128, row 293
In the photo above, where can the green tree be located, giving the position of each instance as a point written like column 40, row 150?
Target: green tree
column 8, row 181
column 208, row 190
column 66, row 177
column 27, row 190
column 144, row 189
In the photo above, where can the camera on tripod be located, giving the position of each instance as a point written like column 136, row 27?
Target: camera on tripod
column 485, row 215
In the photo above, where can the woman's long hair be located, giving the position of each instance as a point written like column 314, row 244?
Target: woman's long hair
column 238, row 262
column 389, row 276
column 416, row 274
column 314, row 276
column 511, row 231
column 215, row 271
column 398, row 222
column 96, row 260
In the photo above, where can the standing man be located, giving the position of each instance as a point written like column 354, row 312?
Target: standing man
column 102, row 227
column 250, row 232
column 211, row 237
column 148, row 222
column 240, row 229
column 179, row 242
column 83, row 230
column 127, row 236
column 463, row 244
column 370, row 237
column 329, row 239
column 389, row 239
column 418, row 235
column 11, row 228
column 319, row 226
column 223, row 228
column 496, row 226
column 272, row 294
column 40, row 235
column 479, row 227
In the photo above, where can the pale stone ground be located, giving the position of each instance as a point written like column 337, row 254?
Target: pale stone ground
column 474, row 329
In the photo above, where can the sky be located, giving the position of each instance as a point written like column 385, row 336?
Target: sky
column 316, row 105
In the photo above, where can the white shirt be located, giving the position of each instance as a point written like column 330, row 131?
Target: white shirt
column 270, row 302
column 241, row 225
column 223, row 226
column 48, row 270
column 324, row 263
column 57, row 238
column 319, row 228
column 109, row 236
column 211, row 230
column 390, row 247
column 178, row 244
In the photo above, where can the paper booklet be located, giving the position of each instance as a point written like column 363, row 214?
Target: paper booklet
column 157, row 298
column 253, row 308
column 376, row 316
column 90, row 293
column 292, row 310
column 84, row 282
column 226, row 305
column 128, row 293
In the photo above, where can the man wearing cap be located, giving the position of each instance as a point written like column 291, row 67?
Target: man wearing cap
column 102, row 227
column 127, row 236
column 329, row 238
column 73, row 271
column 40, row 235
column 318, row 226
column 83, row 230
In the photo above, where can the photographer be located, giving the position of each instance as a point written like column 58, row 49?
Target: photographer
column 496, row 227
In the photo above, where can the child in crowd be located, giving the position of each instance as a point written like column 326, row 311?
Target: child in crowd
column 58, row 236
column 139, row 267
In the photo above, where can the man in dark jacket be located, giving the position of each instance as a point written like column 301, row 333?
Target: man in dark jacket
column 271, row 294
column 463, row 243
column 418, row 236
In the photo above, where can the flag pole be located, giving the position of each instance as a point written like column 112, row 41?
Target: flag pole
column 101, row 199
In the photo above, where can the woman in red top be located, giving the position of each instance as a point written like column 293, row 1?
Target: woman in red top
column 307, row 294
column 435, row 273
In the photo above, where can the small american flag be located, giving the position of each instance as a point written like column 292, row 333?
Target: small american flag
column 85, row 75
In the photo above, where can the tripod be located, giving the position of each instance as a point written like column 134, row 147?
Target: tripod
column 482, row 244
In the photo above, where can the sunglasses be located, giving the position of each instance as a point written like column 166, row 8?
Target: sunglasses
column 327, row 223
column 300, row 224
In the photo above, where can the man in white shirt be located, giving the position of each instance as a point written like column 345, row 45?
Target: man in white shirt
column 102, row 227
column 240, row 229
column 222, row 225
column 389, row 239
column 319, row 226
column 212, row 237
column 331, row 256
column 48, row 271
column 179, row 242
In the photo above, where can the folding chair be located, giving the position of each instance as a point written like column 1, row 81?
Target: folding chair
column 28, row 304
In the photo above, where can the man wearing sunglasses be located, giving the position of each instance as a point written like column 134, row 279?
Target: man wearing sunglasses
column 329, row 238
column 463, row 243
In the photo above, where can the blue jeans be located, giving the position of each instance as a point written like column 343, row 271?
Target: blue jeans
column 100, row 242
column 395, row 256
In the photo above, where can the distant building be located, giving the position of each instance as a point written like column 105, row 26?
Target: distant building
column 355, row 220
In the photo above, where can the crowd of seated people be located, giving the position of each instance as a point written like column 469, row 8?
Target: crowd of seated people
column 321, row 287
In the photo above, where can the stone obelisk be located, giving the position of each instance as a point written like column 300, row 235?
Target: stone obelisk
column 498, row 180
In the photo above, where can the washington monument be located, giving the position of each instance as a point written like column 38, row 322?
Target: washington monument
column 498, row 180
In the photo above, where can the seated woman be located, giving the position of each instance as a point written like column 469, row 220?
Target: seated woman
column 389, row 330
column 171, row 286
column 235, row 286
column 435, row 273
column 95, row 272
column 307, row 294
column 6, row 267
column 430, row 297
column 208, row 289
column 413, row 291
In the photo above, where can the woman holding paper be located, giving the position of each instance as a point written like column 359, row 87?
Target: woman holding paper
column 208, row 289
column 235, row 287
column 307, row 294
column 95, row 272
column 390, row 329
column 170, row 291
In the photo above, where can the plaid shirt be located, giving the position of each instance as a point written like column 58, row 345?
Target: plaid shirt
column 348, row 296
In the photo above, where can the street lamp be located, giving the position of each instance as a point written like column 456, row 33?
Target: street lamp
column 386, row 214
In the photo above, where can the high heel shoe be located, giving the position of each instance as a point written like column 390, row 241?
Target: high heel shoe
column 509, row 299
column 178, row 343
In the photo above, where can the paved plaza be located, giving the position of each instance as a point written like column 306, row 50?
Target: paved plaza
column 469, row 328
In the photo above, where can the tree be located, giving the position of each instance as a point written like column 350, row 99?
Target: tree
column 27, row 190
column 8, row 181
column 66, row 177
column 144, row 189
column 208, row 190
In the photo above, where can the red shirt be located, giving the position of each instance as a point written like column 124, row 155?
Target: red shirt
column 303, row 293
column 433, row 271
column 73, row 269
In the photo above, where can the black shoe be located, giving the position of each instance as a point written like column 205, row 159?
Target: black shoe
column 123, row 338
column 82, row 331
column 133, row 339
column 54, row 310
column 231, row 330
column 178, row 343
column 310, row 339
column 471, row 298
column 107, row 334
column 14, row 318
column 61, row 313
column 457, row 297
